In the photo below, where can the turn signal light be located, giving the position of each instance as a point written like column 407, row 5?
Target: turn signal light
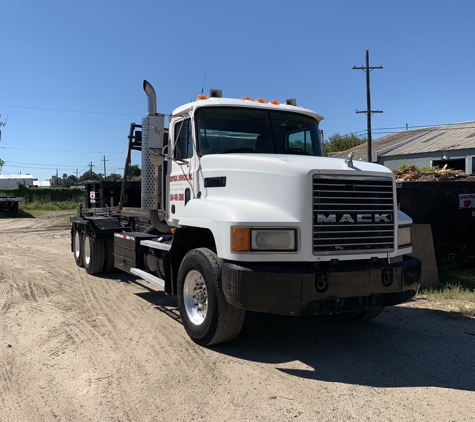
column 240, row 239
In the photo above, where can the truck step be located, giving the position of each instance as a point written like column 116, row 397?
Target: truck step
column 157, row 282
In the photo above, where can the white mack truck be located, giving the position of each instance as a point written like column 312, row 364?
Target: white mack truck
column 240, row 211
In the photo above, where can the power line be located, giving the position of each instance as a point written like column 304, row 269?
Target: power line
column 57, row 150
column 69, row 111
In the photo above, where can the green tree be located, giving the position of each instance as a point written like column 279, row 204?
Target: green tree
column 113, row 177
column 338, row 143
column 88, row 175
column 70, row 180
column 134, row 170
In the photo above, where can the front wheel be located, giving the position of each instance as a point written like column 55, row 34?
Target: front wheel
column 207, row 317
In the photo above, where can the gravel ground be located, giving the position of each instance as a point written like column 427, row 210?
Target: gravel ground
column 74, row 347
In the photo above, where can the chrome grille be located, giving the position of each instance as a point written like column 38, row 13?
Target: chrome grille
column 352, row 215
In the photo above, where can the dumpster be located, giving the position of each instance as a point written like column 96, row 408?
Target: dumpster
column 449, row 207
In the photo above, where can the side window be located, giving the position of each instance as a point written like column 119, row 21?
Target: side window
column 301, row 140
column 183, row 139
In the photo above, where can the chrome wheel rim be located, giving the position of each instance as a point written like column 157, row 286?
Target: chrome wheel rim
column 195, row 297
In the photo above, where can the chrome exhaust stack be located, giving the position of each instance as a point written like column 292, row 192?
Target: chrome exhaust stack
column 152, row 171
column 151, row 96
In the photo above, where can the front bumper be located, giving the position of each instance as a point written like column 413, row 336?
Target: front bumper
column 312, row 289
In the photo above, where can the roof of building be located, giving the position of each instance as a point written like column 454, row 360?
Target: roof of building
column 42, row 183
column 16, row 176
column 430, row 139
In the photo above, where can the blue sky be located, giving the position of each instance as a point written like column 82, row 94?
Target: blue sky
column 71, row 72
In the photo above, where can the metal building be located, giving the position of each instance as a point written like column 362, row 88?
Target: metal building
column 12, row 180
column 452, row 144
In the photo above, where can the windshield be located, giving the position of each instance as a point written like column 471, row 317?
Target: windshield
column 239, row 129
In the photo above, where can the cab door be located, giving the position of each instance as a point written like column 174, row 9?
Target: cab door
column 181, row 174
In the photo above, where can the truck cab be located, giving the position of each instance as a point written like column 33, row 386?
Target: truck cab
column 245, row 213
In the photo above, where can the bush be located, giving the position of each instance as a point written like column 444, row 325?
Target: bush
column 43, row 195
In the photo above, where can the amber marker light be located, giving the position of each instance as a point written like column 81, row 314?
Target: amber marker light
column 202, row 97
column 240, row 239
column 275, row 102
column 260, row 100
column 247, row 98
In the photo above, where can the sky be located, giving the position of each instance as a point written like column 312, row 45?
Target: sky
column 71, row 73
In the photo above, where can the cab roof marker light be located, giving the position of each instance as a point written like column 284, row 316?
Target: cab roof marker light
column 202, row 97
column 246, row 98
column 275, row 102
column 291, row 101
column 260, row 100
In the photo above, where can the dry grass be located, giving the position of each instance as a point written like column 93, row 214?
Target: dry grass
column 457, row 292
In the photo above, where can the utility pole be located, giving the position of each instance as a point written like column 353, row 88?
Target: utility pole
column 91, row 166
column 368, row 110
column 57, row 180
column 105, row 174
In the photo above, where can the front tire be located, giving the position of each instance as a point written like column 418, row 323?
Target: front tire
column 93, row 255
column 207, row 317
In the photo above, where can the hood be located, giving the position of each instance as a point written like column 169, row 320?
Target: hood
column 288, row 165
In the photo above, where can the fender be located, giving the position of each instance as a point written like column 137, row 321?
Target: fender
column 218, row 215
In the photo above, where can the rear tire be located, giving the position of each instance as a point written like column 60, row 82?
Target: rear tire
column 93, row 255
column 358, row 316
column 207, row 317
column 78, row 248
column 109, row 256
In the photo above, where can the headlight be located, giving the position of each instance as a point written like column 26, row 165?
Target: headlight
column 405, row 236
column 272, row 240
column 249, row 240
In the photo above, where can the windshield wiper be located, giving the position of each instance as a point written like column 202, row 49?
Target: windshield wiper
column 296, row 151
column 227, row 151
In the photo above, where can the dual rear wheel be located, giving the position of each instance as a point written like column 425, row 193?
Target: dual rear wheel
column 95, row 255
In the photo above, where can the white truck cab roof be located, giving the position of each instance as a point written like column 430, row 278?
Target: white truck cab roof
column 234, row 102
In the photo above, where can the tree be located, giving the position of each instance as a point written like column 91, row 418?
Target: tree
column 134, row 171
column 70, row 180
column 88, row 175
column 113, row 177
column 338, row 143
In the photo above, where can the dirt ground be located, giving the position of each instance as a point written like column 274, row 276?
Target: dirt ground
column 75, row 347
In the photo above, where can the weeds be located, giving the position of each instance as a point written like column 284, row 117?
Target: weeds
column 402, row 166
column 429, row 169
column 49, row 206
column 37, row 208
column 457, row 292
